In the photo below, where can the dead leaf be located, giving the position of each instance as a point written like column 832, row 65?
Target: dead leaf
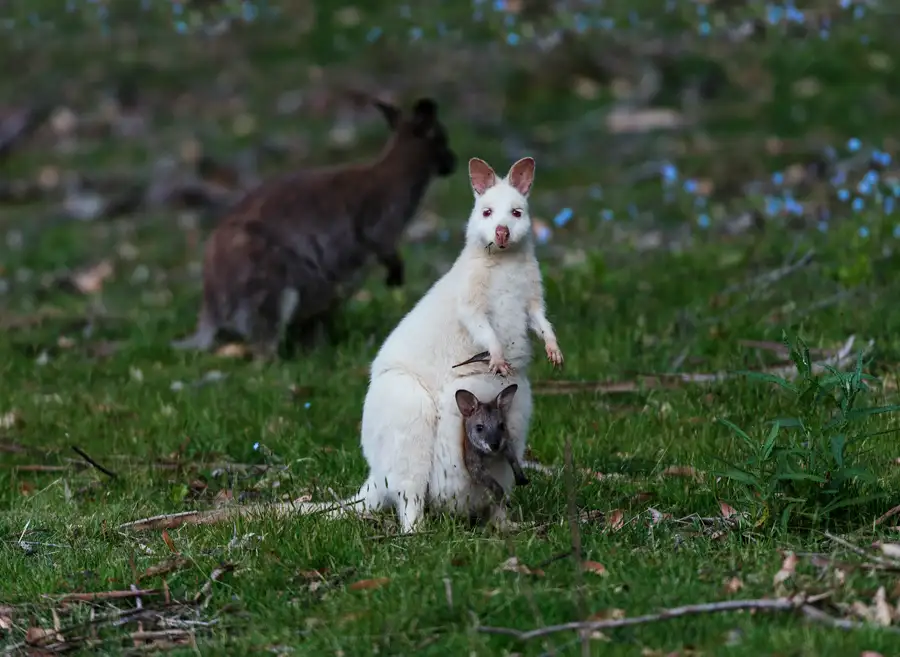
column 91, row 279
column 681, row 471
column 870, row 653
column 10, row 420
column 512, row 564
column 733, row 585
column 7, row 614
column 726, row 509
column 883, row 615
column 612, row 613
column 615, row 520
column 891, row 550
column 657, row 517
column 233, row 350
column 788, row 566
column 168, row 566
column 38, row 636
column 168, row 541
column 366, row 584
column 595, row 567
column 224, row 496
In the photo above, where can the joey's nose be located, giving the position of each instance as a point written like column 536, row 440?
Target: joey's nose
column 501, row 235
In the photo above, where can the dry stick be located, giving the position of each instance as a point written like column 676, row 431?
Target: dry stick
column 889, row 514
column 215, row 575
column 569, row 473
column 888, row 563
column 81, row 453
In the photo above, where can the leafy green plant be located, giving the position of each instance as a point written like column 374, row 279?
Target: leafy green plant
column 810, row 465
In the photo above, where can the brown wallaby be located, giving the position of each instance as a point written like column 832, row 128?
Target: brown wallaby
column 485, row 437
column 291, row 249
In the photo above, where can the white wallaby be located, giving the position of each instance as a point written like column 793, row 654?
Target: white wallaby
column 412, row 430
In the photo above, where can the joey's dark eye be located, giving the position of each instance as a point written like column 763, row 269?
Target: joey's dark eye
column 501, row 426
column 486, row 212
column 479, row 428
column 517, row 213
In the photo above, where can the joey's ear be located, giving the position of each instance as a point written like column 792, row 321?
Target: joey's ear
column 467, row 402
column 521, row 175
column 504, row 399
column 390, row 112
column 482, row 176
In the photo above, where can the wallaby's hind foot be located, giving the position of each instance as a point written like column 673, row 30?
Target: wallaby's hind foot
column 202, row 339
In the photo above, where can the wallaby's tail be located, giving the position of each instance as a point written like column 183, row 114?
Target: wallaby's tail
column 366, row 499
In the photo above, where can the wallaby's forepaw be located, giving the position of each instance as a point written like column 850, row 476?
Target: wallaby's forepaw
column 554, row 354
column 499, row 365
column 522, row 480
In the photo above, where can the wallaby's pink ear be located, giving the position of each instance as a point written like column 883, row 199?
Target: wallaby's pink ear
column 390, row 113
column 504, row 399
column 482, row 175
column 467, row 402
column 521, row 175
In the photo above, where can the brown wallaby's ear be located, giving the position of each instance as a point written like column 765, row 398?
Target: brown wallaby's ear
column 504, row 399
column 425, row 109
column 467, row 402
column 390, row 112
column 424, row 116
column 482, row 176
column 521, row 175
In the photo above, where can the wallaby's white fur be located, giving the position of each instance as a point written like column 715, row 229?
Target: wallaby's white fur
column 490, row 297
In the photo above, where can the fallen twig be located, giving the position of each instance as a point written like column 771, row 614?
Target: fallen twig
column 887, row 563
column 82, row 454
column 890, row 514
column 101, row 595
column 777, row 604
column 764, row 604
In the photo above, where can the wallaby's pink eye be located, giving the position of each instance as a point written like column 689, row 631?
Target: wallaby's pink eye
column 517, row 213
column 486, row 212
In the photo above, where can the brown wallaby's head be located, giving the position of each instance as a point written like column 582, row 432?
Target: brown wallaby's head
column 485, row 422
column 422, row 126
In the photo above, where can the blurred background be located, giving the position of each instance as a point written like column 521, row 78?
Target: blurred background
column 126, row 127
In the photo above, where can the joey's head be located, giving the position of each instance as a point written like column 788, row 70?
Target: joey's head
column 485, row 423
column 421, row 132
column 500, row 218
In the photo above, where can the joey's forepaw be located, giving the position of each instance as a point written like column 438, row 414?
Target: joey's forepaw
column 500, row 366
column 554, row 354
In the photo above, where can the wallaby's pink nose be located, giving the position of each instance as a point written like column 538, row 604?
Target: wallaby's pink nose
column 501, row 236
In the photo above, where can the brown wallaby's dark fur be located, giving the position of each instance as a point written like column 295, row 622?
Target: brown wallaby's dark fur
column 485, row 437
column 292, row 249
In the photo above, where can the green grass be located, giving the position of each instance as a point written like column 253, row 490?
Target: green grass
column 620, row 313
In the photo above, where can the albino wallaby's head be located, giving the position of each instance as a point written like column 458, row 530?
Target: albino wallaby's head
column 500, row 217
column 485, row 422
column 421, row 130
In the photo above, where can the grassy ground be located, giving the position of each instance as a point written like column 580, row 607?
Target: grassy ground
column 669, row 284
